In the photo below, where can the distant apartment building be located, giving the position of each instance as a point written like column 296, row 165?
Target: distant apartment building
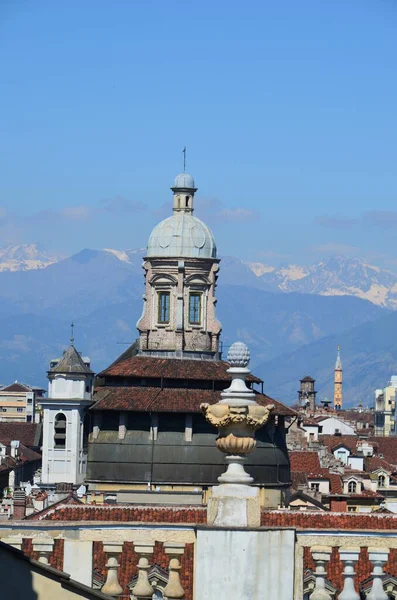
column 385, row 409
column 18, row 402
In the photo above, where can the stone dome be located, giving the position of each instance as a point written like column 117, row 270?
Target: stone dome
column 182, row 235
column 184, row 181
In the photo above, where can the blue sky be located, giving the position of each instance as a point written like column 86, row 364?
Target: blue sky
column 287, row 109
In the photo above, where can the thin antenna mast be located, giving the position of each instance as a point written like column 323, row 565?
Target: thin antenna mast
column 184, row 159
column 71, row 333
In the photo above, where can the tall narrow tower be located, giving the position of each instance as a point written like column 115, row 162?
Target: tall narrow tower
column 338, row 382
column 65, row 419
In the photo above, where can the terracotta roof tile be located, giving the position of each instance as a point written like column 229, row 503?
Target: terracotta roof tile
column 124, row 513
column 331, row 441
column 16, row 387
column 386, row 446
column 167, row 399
column 304, row 462
column 172, row 368
column 27, row 433
column 332, row 520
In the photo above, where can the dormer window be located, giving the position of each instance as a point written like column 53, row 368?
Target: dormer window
column 352, row 487
column 195, row 308
column 164, row 307
column 381, row 481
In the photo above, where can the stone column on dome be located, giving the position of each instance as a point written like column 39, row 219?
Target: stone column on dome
column 43, row 547
column 349, row 556
column 174, row 589
column 321, row 556
column 143, row 590
column 237, row 416
column 378, row 558
column 112, row 586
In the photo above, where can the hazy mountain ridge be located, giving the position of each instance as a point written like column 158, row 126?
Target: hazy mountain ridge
column 369, row 359
column 335, row 276
column 101, row 291
column 289, row 334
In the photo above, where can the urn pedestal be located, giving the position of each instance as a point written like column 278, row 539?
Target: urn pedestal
column 235, row 503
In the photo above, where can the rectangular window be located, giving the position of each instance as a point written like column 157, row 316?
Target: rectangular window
column 195, row 308
column 19, row 409
column 164, row 307
column 315, row 487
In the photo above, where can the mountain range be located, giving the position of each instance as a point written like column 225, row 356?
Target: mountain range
column 292, row 318
column 335, row 276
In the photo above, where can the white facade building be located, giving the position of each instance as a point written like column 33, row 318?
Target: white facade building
column 65, row 427
column 333, row 426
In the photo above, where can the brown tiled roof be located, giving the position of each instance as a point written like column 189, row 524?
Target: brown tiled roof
column 27, row 433
column 357, row 417
column 27, row 454
column 331, row 441
column 335, row 483
column 315, row 520
column 308, row 379
column 172, row 368
column 16, row 387
column 304, row 462
column 167, row 399
column 71, row 362
column 122, row 513
column 386, row 446
column 372, row 463
column 71, row 500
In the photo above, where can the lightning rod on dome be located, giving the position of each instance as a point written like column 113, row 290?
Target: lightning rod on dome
column 72, row 333
column 184, row 159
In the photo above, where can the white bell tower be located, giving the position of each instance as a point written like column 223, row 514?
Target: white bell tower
column 65, row 419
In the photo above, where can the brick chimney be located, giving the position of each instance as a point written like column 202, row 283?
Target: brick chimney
column 19, row 505
column 338, row 505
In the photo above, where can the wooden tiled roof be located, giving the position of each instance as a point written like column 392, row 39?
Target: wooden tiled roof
column 167, row 399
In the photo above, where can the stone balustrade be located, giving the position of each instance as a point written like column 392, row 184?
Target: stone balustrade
column 161, row 560
column 349, row 556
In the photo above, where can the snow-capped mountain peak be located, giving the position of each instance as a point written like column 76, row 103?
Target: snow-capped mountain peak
column 334, row 276
column 25, row 257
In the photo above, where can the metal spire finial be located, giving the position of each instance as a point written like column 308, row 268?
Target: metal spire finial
column 184, row 159
column 71, row 334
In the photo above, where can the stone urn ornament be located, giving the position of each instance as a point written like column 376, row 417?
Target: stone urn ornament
column 237, row 416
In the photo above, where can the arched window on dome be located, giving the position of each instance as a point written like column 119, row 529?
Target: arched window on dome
column 60, row 431
column 352, row 487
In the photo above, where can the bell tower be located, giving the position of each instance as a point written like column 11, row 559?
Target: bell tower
column 338, row 382
column 307, row 394
column 65, row 418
